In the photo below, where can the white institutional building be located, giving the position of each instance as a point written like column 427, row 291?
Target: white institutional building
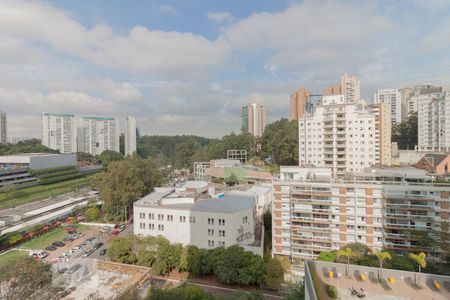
column 186, row 215
column 434, row 121
column 130, row 135
column 69, row 133
column 394, row 99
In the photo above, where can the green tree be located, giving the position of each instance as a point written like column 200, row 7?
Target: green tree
column 382, row 255
column 121, row 250
column 275, row 273
column 280, row 142
column 421, row 260
column 182, row 292
column 28, row 146
column 327, row 256
column 297, row 292
column 346, row 253
column 108, row 156
column 231, row 180
column 405, row 133
column 124, row 182
column 27, row 278
column 8, row 190
column 92, row 213
column 168, row 257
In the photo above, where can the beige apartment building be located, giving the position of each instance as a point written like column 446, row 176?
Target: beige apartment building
column 383, row 148
column 314, row 212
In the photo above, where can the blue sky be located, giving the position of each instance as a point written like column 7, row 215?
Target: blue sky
column 187, row 67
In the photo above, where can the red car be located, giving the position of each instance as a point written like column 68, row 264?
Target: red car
column 115, row 232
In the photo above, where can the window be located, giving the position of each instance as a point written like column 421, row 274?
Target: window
column 221, row 244
column 151, row 226
column 151, row 216
column 244, row 220
column 142, row 225
column 221, row 232
column 222, row 222
column 142, row 215
column 210, row 221
column 192, row 219
column 182, row 219
column 210, row 243
column 160, row 217
column 211, row 232
column 160, row 227
column 170, row 218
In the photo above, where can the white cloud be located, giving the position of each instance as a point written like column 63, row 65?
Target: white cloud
column 220, row 17
column 141, row 50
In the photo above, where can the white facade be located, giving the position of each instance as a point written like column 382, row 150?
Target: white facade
column 184, row 217
column 434, row 121
column 337, row 135
column 263, row 195
column 130, row 135
column 59, row 132
column 393, row 98
column 97, row 134
column 3, row 128
column 200, row 169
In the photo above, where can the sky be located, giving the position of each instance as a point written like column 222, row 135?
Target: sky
column 188, row 67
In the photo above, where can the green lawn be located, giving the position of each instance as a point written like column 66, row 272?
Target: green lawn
column 39, row 192
column 46, row 239
column 11, row 256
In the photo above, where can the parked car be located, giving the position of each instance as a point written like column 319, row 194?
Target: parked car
column 88, row 253
column 58, row 244
column 74, row 268
column 103, row 252
column 97, row 246
column 67, row 239
column 105, row 229
column 122, row 227
column 50, row 248
column 44, row 254
column 62, row 270
column 115, row 232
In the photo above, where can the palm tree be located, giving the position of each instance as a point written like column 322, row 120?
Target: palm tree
column 382, row 255
column 347, row 253
column 421, row 260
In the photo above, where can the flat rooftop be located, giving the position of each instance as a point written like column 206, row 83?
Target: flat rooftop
column 401, row 285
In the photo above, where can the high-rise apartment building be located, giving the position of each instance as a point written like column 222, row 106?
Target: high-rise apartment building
column 253, row 119
column 3, row 128
column 97, row 134
column 298, row 103
column 338, row 135
column 382, row 112
column 393, row 98
column 351, row 88
column 314, row 212
column 59, row 132
column 130, row 135
column 433, row 120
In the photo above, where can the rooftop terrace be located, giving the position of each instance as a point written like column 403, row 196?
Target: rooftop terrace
column 363, row 283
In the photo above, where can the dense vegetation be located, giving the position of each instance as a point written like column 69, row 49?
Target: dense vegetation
column 29, row 146
column 406, row 133
column 232, row 265
column 124, row 182
column 27, row 278
column 279, row 144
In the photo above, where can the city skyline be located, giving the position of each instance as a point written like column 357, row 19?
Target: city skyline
column 206, row 67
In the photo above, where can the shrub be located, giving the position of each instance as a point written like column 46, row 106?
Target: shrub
column 327, row 256
column 331, row 291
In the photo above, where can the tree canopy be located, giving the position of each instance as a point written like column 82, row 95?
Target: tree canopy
column 406, row 133
column 28, row 146
column 280, row 142
column 124, row 182
column 108, row 156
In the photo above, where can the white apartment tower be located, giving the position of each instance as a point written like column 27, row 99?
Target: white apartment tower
column 254, row 119
column 130, row 135
column 59, row 132
column 434, row 121
column 3, row 128
column 338, row 135
column 97, row 134
column 393, row 98
column 351, row 88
